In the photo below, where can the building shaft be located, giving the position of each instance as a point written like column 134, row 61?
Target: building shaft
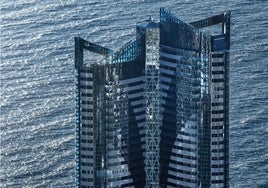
column 155, row 113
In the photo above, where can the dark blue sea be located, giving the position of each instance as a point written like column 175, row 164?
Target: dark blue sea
column 38, row 82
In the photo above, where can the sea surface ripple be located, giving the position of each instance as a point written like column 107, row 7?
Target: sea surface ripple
column 38, row 83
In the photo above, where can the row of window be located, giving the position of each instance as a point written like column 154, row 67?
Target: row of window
column 217, row 181
column 87, row 118
column 136, row 99
column 184, row 156
column 86, row 148
column 136, row 83
column 218, row 88
column 87, row 110
column 218, row 72
column 86, row 78
column 182, row 179
column 217, row 150
column 184, row 164
column 217, row 173
column 182, row 171
column 217, row 135
column 87, row 172
column 87, row 133
column 217, row 158
column 86, row 94
column 217, row 111
column 86, row 156
column 86, row 164
column 217, row 103
column 217, row 166
column 217, row 119
column 186, row 141
column 87, row 179
column 86, row 87
column 183, row 61
column 87, row 125
column 87, row 102
column 217, row 127
column 86, row 141
column 136, row 91
column 83, row 186
column 178, row 147
column 218, row 80
column 217, row 55
column 214, row 64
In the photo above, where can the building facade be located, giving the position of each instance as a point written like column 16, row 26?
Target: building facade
column 155, row 113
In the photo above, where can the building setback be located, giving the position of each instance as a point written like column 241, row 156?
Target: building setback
column 155, row 113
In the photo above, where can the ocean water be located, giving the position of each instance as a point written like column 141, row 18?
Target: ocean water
column 38, row 83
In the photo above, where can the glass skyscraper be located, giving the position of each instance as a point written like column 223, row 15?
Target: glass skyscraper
column 155, row 113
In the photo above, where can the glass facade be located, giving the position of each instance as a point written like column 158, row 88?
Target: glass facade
column 155, row 113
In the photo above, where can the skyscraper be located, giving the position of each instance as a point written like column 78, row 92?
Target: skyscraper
column 155, row 113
